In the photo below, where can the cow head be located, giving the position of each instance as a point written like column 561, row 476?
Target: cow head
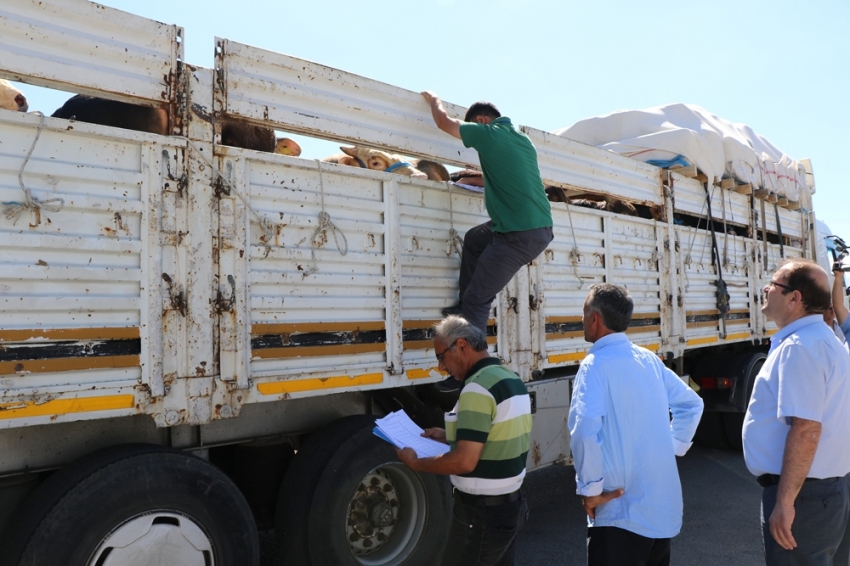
column 286, row 146
column 11, row 98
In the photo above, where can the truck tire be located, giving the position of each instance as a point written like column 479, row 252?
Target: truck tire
column 733, row 423
column 134, row 505
column 371, row 510
column 295, row 497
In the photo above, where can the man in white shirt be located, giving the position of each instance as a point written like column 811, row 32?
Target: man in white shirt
column 623, row 440
column 797, row 425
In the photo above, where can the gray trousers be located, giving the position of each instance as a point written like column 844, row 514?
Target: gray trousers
column 490, row 259
column 821, row 525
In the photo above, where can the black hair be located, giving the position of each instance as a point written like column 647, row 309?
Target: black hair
column 482, row 108
column 613, row 303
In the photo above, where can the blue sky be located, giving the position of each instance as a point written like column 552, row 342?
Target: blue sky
column 781, row 67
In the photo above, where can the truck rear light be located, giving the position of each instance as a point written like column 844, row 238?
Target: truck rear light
column 715, row 382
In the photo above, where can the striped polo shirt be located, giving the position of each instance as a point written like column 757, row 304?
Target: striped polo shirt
column 494, row 408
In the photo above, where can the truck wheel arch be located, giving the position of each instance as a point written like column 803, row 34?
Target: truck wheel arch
column 76, row 512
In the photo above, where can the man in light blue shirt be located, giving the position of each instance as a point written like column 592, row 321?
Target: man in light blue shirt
column 623, row 441
column 797, row 425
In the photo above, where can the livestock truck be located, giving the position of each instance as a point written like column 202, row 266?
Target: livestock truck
column 196, row 338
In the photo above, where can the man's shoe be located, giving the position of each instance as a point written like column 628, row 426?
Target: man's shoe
column 453, row 310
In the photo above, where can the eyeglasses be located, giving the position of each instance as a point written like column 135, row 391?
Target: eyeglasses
column 780, row 285
column 443, row 353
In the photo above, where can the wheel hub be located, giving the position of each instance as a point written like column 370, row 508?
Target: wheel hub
column 372, row 513
column 155, row 538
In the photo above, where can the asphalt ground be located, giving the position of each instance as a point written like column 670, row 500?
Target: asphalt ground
column 720, row 525
column 721, row 522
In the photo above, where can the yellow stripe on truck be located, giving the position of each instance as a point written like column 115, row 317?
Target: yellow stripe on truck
column 65, row 406
column 321, row 383
column 417, row 373
column 574, row 357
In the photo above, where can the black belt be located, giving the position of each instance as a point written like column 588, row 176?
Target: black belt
column 486, row 500
column 767, row 480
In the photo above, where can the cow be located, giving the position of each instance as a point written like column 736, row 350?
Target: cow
column 618, row 206
column 11, row 98
column 93, row 110
column 104, row 112
column 237, row 133
column 378, row 160
column 433, row 170
column 468, row 177
column 614, row 205
column 286, row 146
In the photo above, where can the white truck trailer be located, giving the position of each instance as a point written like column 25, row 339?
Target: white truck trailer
column 189, row 349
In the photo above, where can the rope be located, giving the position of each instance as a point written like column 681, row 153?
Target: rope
column 13, row 210
column 688, row 260
column 574, row 254
column 455, row 242
column 325, row 223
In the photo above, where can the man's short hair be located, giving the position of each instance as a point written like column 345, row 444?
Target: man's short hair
column 482, row 108
column 613, row 303
column 800, row 275
column 452, row 328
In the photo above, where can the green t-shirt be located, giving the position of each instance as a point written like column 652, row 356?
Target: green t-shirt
column 513, row 190
column 494, row 408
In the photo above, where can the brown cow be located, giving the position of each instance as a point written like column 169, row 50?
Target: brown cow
column 433, row 170
column 11, row 98
column 94, row 110
column 468, row 177
column 378, row 160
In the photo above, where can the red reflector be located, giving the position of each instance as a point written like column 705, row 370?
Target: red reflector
column 715, row 382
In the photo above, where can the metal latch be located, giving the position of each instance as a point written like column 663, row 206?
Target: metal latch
column 225, row 304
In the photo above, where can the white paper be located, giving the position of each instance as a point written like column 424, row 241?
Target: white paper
column 397, row 429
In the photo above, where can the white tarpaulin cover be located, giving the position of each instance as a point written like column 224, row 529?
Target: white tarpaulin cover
column 689, row 135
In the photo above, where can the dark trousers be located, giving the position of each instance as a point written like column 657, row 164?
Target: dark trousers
column 484, row 536
column 489, row 261
column 612, row 546
column 820, row 527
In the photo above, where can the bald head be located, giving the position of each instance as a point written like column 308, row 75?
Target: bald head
column 812, row 281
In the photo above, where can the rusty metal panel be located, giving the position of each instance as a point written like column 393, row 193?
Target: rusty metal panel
column 430, row 264
column 84, row 47
column 322, row 101
column 311, row 312
column 575, row 259
column 392, row 253
column 80, row 289
column 326, row 102
column 792, row 222
column 689, row 197
column 705, row 326
column 594, row 247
